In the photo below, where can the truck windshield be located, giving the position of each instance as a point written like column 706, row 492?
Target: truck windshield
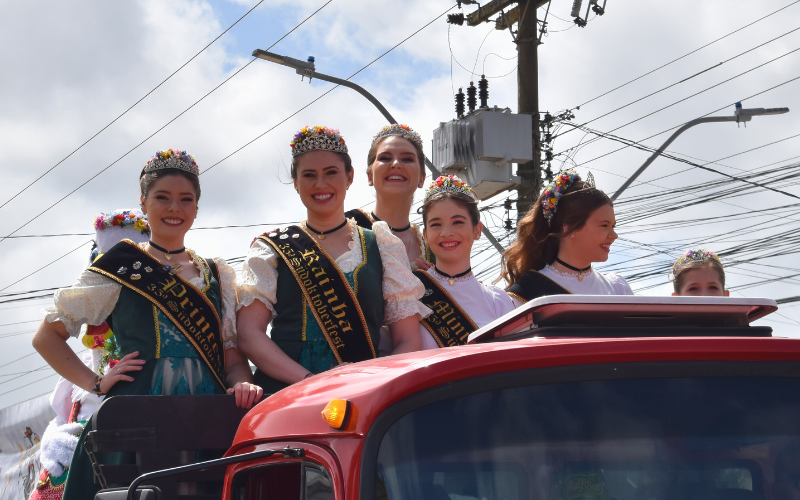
column 728, row 438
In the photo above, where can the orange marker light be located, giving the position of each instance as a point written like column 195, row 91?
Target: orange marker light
column 336, row 412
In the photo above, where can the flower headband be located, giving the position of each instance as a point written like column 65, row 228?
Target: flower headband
column 700, row 255
column 403, row 131
column 123, row 218
column 317, row 138
column 555, row 190
column 449, row 183
column 172, row 158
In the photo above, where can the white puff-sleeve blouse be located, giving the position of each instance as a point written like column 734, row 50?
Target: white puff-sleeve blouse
column 401, row 289
column 93, row 297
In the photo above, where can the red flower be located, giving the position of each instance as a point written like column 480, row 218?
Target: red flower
column 112, row 363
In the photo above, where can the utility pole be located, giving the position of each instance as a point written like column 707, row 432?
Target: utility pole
column 528, row 38
column 527, row 41
column 530, row 173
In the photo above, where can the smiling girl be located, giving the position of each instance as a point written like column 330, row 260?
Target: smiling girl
column 326, row 285
column 461, row 304
column 396, row 168
column 172, row 312
column 570, row 228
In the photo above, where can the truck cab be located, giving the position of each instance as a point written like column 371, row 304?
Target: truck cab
column 566, row 398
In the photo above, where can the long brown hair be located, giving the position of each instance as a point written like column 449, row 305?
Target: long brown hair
column 537, row 242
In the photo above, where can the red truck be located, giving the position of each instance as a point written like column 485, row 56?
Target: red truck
column 566, row 398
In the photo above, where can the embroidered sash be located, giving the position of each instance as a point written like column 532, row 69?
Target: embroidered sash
column 534, row 284
column 188, row 308
column 327, row 291
column 449, row 324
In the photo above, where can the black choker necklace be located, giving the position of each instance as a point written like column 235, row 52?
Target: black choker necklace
column 573, row 268
column 167, row 253
column 321, row 234
column 452, row 279
column 394, row 230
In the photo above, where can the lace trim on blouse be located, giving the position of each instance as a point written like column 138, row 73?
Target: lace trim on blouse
column 93, row 297
column 567, row 274
column 401, row 289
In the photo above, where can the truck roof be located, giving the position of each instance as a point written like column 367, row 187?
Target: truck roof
column 372, row 386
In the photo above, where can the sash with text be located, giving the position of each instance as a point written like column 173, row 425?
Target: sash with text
column 327, row 291
column 449, row 324
column 188, row 308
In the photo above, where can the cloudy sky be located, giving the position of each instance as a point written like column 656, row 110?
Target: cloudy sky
column 72, row 68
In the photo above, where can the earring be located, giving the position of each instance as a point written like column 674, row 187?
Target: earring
column 348, row 187
column 572, row 235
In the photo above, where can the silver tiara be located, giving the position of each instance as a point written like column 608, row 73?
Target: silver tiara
column 172, row 158
column 403, row 131
column 317, row 138
column 449, row 184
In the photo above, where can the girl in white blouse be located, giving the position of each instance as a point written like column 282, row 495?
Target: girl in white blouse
column 326, row 285
column 460, row 302
column 570, row 227
column 153, row 295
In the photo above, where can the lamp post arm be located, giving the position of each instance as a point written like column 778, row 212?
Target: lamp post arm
column 657, row 153
column 360, row 90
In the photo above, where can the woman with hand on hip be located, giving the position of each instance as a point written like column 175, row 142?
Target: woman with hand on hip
column 570, row 227
column 326, row 285
column 167, row 345
column 460, row 303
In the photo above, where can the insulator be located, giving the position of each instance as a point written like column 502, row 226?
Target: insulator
column 576, row 8
column 483, row 91
column 460, row 103
column 471, row 100
column 508, row 226
column 455, row 19
column 548, row 117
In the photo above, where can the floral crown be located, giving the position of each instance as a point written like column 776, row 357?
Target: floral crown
column 172, row 158
column 555, row 190
column 317, row 138
column 403, row 131
column 122, row 218
column 700, row 255
column 449, row 183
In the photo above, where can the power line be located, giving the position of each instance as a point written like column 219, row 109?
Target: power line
column 681, row 81
column 25, row 400
column 703, row 91
column 328, row 91
column 686, row 55
column 192, row 229
column 19, row 359
column 131, row 107
column 21, row 322
column 46, row 265
column 681, row 124
column 161, row 128
column 31, row 383
column 697, row 165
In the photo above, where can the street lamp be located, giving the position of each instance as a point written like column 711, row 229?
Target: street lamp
column 740, row 115
column 306, row 68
